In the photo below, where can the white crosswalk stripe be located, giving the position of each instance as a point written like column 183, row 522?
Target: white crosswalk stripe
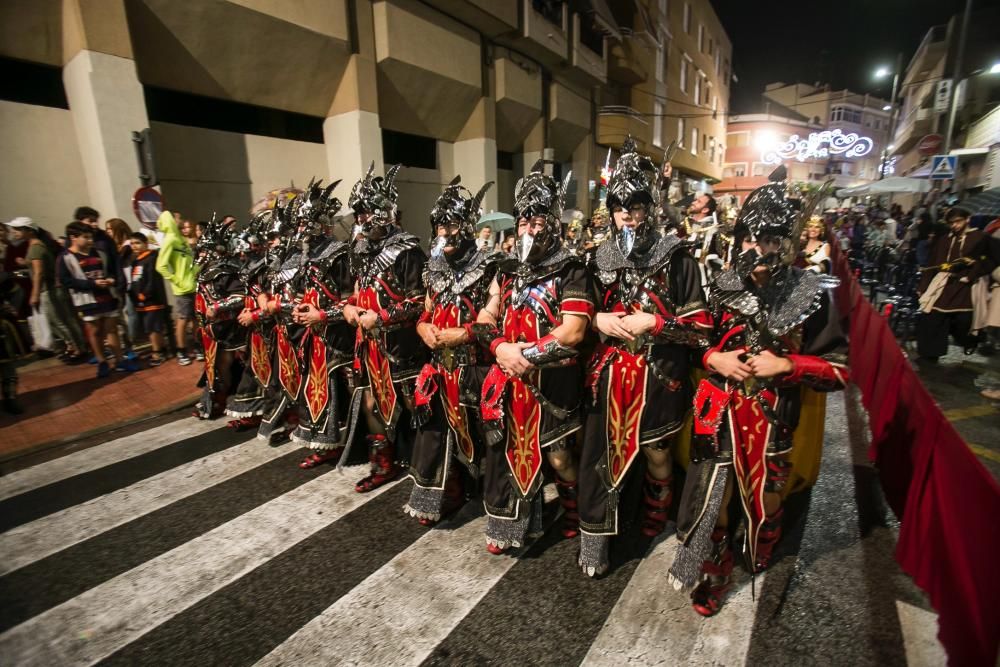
column 35, row 540
column 431, row 588
column 102, row 455
column 421, row 594
column 95, row 624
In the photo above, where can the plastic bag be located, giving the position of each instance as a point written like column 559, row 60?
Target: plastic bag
column 41, row 333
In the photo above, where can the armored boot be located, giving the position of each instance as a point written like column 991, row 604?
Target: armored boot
column 593, row 558
column 321, row 456
column 241, row 424
column 767, row 539
column 381, row 455
column 656, row 498
column 571, row 516
column 707, row 597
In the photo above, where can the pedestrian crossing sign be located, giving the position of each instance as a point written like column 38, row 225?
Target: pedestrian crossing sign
column 943, row 166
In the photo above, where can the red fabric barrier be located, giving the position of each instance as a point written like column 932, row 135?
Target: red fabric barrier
column 946, row 501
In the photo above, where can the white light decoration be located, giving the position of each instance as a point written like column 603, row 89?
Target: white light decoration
column 890, row 166
column 819, row 145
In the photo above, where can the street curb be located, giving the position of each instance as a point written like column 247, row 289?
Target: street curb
column 37, row 448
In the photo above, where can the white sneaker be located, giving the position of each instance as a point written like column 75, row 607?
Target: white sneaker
column 183, row 360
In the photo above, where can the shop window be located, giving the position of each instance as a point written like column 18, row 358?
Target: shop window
column 410, row 150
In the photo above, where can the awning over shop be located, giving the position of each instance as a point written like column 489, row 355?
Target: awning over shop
column 897, row 185
column 969, row 152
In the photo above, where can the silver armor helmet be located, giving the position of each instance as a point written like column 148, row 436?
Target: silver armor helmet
column 538, row 194
column 214, row 243
column 458, row 211
column 632, row 183
column 375, row 196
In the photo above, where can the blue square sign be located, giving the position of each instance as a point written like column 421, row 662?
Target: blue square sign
column 943, row 166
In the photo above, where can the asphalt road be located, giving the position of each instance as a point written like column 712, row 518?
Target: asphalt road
column 211, row 548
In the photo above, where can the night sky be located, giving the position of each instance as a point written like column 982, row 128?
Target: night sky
column 838, row 43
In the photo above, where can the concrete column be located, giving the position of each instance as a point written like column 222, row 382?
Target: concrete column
column 107, row 104
column 534, row 146
column 474, row 153
column 583, row 172
column 353, row 140
column 352, row 132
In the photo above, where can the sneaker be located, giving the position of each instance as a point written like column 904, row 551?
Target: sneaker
column 126, row 366
column 183, row 360
column 155, row 361
column 103, row 370
column 92, row 361
column 199, row 356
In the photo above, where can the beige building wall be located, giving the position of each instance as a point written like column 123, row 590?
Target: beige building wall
column 477, row 77
column 41, row 175
column 203, row 170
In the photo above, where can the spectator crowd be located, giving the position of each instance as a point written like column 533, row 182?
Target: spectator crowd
column 102, row 294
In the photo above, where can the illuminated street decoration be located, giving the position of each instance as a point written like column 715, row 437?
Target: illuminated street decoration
column 817, row 146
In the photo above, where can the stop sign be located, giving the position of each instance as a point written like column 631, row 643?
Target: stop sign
column 930, row 145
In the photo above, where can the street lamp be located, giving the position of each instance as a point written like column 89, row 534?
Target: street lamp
column 891, row 107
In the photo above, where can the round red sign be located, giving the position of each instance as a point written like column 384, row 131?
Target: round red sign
column 930, row 144
column 147, row 204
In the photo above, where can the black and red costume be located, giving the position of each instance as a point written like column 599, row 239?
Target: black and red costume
column 388, row 266
column 640, row 388
column 449, row 441
column 744, row 429
column 537, row 286
column 251, row 400
column 219, row 299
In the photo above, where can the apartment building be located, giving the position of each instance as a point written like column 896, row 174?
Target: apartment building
column 925, row 95
column 669, row 80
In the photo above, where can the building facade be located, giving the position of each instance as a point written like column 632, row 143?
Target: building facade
column 816, row 133
column 866, row 116
column 925, row 94
column 752, row 142
column 668, row 81
column 243, row 96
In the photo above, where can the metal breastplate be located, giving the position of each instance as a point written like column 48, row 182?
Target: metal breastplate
column 376, row 272
column 318, row 274
column 541, row 299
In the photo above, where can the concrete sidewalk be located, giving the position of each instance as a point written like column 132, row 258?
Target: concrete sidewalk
column 67, row 403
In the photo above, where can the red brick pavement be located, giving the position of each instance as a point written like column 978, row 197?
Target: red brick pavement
column 64, row 403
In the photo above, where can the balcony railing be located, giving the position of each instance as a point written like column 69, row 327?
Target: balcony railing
column 551, row 10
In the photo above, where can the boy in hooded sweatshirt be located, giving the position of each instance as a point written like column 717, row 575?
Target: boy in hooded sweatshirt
column 176, row 264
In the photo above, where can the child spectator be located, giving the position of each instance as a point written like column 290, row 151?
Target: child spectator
column 86, row 272
column 148, row 294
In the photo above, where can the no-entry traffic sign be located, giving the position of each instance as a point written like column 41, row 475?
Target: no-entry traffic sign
column 147, row 203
